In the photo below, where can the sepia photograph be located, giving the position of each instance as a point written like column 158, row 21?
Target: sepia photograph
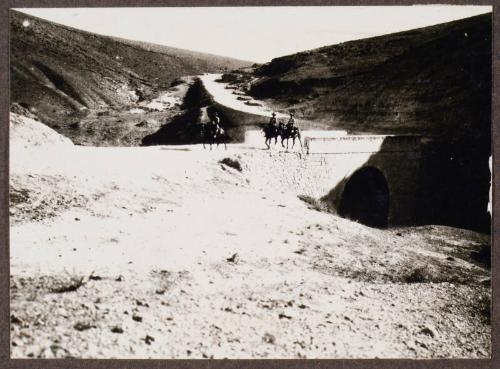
column 273, row 182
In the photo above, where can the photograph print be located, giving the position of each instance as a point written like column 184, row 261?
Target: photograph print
column 250, row 182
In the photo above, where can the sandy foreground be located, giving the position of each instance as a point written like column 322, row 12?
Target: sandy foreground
column 164, row 252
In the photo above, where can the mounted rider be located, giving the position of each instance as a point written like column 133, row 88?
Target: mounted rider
column 273, row 122
column 216, row 127
column 290, row 126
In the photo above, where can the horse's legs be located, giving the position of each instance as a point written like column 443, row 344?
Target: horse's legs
column 293, row 142
column 275, row 140
column 282, row 140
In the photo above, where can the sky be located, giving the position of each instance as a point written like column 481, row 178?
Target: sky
column 256, row 34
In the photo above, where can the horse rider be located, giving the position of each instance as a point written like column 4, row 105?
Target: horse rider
column 272, row 121
column 216, row 124
column 291, row 123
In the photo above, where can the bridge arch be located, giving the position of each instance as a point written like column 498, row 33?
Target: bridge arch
column 366, row 198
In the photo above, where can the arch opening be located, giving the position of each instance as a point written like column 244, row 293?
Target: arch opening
column 366, row 198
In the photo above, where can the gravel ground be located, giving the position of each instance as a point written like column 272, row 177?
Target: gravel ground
column 164, row 252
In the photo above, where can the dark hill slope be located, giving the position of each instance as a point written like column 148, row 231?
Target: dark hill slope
column 433, row 81
column 426, row 80
column 62, row 73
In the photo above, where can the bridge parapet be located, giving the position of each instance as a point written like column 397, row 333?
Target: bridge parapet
column 356, row 144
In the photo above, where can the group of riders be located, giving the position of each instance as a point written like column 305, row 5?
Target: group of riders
column 213, row 133
column 275, row 129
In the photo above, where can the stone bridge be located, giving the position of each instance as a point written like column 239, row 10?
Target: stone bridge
column 383, row 180
column 370, row 178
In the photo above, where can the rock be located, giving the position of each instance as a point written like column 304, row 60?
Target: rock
column 429, row 331
column 79, row 326
column 269, row 338
column 140, row 303
column 117, row 329
column 234, row 258
column 137, row 318
column 15, row 320
column 148, row 339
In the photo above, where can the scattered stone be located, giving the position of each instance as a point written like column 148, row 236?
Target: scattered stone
column 235, row 258
column 79, row 326
column 15, row 320
column 119, row 278
column 140, row 303
column 429, row 331
column 68, row 286
column 421, row 344
column 116, row 329
column 137, row 318
column 77, row 219
column 269, row 338
column 148, row 339
column 284, row 316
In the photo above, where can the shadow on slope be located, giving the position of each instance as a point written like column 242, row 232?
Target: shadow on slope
column 185, row 128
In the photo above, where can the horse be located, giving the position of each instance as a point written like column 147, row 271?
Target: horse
column 213, row 134
column 288, row 132
column 271, row 131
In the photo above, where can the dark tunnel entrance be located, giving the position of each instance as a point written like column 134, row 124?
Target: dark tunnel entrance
column 366, row 198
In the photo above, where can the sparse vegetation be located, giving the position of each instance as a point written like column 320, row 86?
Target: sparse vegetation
column 315, row 204
column 417, row 275
column 70, row 284
column 232, row 163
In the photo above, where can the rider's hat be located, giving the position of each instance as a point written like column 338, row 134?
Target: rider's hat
column 274, row 114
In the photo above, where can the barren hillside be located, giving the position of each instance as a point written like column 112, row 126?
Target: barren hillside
column 63, row 74
column 428, row 80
